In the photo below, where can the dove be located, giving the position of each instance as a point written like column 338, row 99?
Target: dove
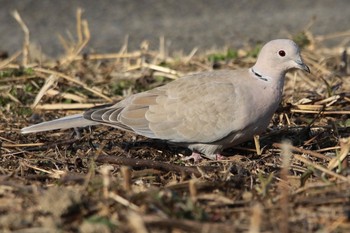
column 205, row 112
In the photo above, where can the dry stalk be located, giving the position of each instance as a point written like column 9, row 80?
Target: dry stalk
column 10, row 96
column 83, row 34
column 121, row 200
column 6, row 62
column 257, row 144
column 136, row 222
column 332, row 148
column 60, row 106
column 110, row 56
column 68, row 78
column 321, row 168
column 127, row 174
column 7, row 145
column 49, row 82
column 330, row 36
column 188, row 58
column 256, row 218
column 26, row 42
column 120, row 160
column 193, row 189
column 329, row 101
column 161, row 69
column 105, row 170
column 340, row 112
column 55, row 174
column 300, row 150
column 344, row 152
column 283, row 188
column 78, row 98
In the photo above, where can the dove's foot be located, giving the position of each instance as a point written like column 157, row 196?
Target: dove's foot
column 195, row 156
column 198, row 157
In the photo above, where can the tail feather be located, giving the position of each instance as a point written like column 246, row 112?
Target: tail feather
column 62, row 123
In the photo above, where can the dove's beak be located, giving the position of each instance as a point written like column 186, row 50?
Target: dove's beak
column 301, row 65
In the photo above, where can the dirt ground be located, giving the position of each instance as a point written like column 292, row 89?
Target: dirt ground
column 105, row 180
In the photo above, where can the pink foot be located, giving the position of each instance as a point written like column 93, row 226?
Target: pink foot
column 195, row 156
column 198, row 157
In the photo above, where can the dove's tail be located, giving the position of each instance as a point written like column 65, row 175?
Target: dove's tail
column 62, row 123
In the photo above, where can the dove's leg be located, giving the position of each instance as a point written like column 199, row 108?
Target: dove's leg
column 195, row 156
column 198, row 157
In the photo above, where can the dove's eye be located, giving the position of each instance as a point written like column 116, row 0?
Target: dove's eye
column 282, row 53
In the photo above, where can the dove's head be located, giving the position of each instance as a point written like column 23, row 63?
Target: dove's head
column 278, row 56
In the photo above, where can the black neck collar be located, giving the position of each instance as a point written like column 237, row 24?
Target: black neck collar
column 258, row 75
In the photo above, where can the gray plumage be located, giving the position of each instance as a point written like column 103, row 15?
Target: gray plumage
column 207, row 111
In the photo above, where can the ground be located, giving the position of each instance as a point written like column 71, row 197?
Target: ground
column 106, row 180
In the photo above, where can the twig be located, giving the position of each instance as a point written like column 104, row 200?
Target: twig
column 190, row 55
column 56, row 174
column 328, row 149
column 7, row 61
column 109, row 56
column 7, row 145
column 78, row 98
column 123, row 201
column 319, row 167
column 49, row 82
column 317, row 185
column 340, row 112
column 60, row 106
column 257, row 144
column 46, row 71
column 147, row 164
column 345, row 147
column 304, row 151
column 161, row 69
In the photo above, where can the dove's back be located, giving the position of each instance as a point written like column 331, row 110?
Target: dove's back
column 200, row 108
column 196, row 108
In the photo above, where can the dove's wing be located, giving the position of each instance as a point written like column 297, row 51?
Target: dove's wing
column 196, row 108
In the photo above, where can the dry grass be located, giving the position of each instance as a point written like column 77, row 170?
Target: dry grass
column 108, row 180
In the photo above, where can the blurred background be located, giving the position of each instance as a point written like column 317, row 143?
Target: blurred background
column 185, row 24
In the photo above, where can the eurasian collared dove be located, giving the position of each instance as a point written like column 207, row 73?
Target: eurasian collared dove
column 206, row 112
